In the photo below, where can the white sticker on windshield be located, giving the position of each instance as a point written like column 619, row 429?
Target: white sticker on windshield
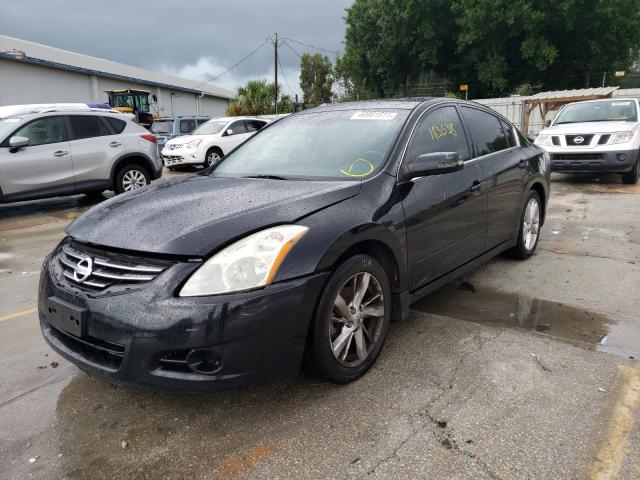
column 620, row 104
column 364, row 115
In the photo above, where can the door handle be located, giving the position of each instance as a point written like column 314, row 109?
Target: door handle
column 523, row 163
column 60, row 153
column 476, row 187
column 115, row 144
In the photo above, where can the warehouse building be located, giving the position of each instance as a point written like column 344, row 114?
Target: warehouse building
column 35, row 73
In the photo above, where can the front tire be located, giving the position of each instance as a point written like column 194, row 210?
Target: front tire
column 631, row 177
column 529, row 230
column 213, row 157
column 131, row 177
column 352, row 320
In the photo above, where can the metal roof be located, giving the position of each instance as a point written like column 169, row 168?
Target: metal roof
column 39, row 54
column 581, row 92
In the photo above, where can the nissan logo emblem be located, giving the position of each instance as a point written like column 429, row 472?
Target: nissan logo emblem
column 578, row 139
column 83, row 269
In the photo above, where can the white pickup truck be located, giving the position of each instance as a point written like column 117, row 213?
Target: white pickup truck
column 595, row 136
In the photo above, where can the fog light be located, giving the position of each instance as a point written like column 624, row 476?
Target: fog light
column 622, row 156
column 204, row 362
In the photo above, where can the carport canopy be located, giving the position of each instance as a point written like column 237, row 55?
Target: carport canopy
column 549, row 101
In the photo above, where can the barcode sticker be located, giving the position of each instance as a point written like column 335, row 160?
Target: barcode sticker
column 371, row 115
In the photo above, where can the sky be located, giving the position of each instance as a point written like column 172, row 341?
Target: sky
column 195, row 39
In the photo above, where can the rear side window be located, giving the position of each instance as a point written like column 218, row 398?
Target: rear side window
column 87, row 127
column 116, row 124
column 43, row 131
column 508, row 130
column 237, row 128
column 486, row 131
column 187, row 126
column 254, row 125
column 439, row 131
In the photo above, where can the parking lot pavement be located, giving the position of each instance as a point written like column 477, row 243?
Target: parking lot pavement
column 522, row 370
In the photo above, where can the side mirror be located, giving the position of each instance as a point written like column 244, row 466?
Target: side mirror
column 547, row 123
column 229, row 131
column 435, row 164
column 18, row 142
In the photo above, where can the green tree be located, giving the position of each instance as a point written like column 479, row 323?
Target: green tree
column 492, row 45
column 316, row 79
column 256, row 98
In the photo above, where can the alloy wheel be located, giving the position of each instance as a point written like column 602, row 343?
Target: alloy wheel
column 531, row 224
column 133, row 179
column 213, row 158
column 357, row 318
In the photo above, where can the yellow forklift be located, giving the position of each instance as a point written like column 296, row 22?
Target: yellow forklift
column 132, row 101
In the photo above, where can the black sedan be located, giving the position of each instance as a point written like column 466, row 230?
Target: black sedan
column 304, row 242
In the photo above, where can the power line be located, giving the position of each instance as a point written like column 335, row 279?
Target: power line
column 235, row 64
column 311, row 46
column 292, row 49
column 285, row 78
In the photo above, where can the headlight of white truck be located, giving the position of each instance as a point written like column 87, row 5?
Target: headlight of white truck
column 543, row 140
column 620, row 137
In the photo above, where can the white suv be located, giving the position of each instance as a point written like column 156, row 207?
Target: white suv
column 595, row 136
column 210, row 142
column 63, row 152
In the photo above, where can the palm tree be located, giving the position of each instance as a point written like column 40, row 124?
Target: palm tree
column 256, row 98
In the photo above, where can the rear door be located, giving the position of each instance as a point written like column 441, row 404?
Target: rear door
column 504, row 168
column 445, row 214
column 44, row 165
column 93, row 145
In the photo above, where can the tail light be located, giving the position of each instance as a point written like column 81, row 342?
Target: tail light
column 149, row 138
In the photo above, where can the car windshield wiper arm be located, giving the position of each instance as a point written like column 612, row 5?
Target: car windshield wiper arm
column 268, row 177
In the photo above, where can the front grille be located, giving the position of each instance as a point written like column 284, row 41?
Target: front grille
column 576, row 156
column 96, row 270
column 578, row 140
column 107, row 355
column 555, row 140
column 604, row 139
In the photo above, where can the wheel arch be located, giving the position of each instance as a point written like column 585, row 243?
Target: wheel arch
column 131, row 159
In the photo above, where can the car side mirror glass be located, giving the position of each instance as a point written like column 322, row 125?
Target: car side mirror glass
column 435, row 164
column 229, row 131
column 18, row 142
column 547, row 123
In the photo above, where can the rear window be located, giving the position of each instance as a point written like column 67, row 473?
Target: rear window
column 187, row 126
column 87, row 127
column 116, row 124
column 162, row 126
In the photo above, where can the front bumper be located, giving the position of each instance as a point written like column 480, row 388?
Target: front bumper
column 143, row 337
column 181, row 157
column 573, row 160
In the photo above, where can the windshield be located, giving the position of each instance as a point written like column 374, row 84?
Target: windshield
column 336, row 145
column 209, row 128
column 8, row 125
column 162, row 126
column 601, row 111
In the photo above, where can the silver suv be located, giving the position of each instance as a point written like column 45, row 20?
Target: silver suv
column 64, row 152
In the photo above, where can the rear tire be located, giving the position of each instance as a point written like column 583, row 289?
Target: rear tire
column 529, row 230
column 131, row 177
column 631, row 177
column 352, row 320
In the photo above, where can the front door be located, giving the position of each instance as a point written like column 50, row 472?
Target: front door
column 235, row 134
column 445, row 214
column 44, row 166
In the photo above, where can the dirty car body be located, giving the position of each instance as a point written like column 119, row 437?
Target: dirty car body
column 122, row 296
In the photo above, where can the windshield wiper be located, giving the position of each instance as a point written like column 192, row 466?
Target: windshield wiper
column 268, row 177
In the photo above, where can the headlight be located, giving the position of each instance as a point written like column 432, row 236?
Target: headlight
column 543, row 140
column 194, row 143
column 246, row 264
column 620, row 137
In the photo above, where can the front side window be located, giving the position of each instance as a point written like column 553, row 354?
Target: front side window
column 439, row 131
column 142, row 103
column 599, row 111
column 187, row 126
column 326, row 145
column 236, row 128
column 85, row 126
column 43, row 131
column 486, row 131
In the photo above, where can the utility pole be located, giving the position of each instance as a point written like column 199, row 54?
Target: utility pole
column 275, row 45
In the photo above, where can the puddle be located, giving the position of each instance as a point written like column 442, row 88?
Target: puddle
column 566, row 323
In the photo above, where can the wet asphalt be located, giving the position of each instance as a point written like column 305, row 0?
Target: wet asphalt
column 520, row 370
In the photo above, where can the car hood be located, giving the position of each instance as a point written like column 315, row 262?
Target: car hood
column 195, row 215
column 182, row 139
column 587, row 128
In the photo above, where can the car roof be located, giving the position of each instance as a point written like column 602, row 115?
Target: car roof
column 32, row 115
column 408, row 103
